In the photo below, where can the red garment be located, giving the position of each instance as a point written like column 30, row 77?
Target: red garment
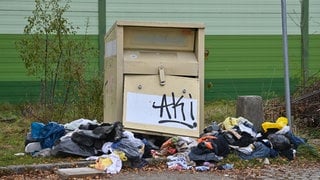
column 205, row 140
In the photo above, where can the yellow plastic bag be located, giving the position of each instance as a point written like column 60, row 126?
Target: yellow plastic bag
column 279, row 124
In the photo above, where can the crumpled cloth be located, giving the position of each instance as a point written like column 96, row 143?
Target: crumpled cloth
column 110, row 163
column 47, row 134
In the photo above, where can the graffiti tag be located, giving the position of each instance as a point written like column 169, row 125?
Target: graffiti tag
column 170, row 106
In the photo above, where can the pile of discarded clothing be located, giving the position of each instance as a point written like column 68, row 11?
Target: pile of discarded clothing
column 275, row 139
column 109, row 144
column 84, row 138
column 233, row 135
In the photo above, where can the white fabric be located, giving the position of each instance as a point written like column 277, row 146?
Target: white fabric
column 116, row 165
column 246, row 150
column 284, row 130
column 32, row 147
column 244, row 128
column 243, row 120
column 128, row 134
column 77, row 123
column 106, row 147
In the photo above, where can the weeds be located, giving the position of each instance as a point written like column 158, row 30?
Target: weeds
column 308, row 152
column 13, row 133
column 60, row 60
column 218, row 111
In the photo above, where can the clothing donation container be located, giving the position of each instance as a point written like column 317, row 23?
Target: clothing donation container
column 154, row 77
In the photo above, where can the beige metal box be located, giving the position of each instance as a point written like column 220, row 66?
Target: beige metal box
column 154, row 76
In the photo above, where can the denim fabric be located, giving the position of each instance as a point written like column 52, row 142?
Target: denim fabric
column 260, row 151
column 295, row 140
column 197, row 154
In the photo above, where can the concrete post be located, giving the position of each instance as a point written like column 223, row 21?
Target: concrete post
column 251, row 108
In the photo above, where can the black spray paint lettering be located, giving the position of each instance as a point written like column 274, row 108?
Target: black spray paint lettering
column 164, row 108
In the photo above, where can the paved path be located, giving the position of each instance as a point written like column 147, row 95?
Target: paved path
column 306, row 171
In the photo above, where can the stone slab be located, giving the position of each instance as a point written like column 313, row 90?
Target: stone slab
column 66, row 173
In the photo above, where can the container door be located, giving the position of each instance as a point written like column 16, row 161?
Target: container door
column 169, row 107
